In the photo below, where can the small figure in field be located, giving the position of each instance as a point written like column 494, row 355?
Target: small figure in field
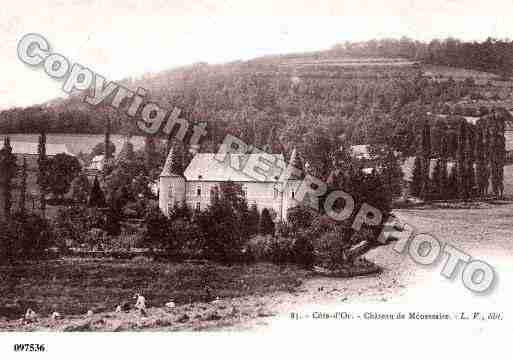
column 140, row 304
column 30, row 315
column 56, row 316
column 118, row 309
column 170, row 305
column 89, row 313
column 217, row 300
column 123, row 307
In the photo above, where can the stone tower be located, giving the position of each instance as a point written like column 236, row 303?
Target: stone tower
column 172, row 181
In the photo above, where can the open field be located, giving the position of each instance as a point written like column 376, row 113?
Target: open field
column 457, row 73
column 76, row 142
column 73, row 286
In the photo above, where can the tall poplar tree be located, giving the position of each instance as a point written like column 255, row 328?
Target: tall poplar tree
column 7, row 175
column 42, row 174
column 481, row 164
column 23, row 187
column 461, row 172
column 426, row 158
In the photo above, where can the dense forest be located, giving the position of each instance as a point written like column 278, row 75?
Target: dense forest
column 352, row 94
column 492, row 55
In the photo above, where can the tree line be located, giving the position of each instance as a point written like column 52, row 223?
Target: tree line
column 468, row 158
column 492, row 55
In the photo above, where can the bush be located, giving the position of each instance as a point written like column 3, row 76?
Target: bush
column 266, row 223
column 330, row 251
column 331, row 248
column 299, row 217
column 25, row 236
column 303, row 250
column 73, row 223
column 131, row 237
column 156, row 228
column 284, row 229
column 278, row 250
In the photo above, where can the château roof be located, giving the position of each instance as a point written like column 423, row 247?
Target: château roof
column 205, row 167
column 169, row 169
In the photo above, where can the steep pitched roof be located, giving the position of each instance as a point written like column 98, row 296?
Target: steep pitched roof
column 170, row 166
column 205, row 167
column 297, row 162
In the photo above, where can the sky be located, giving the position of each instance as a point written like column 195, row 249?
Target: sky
column 127, row 38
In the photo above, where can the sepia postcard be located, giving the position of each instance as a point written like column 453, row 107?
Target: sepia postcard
column 230, row 178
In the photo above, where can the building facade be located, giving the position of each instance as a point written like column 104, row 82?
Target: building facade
column 205, row 173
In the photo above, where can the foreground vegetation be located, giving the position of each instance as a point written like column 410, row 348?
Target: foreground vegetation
column 74, row 286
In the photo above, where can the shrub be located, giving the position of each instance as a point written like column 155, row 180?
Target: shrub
column 281, row 250
column 156, row 228
column 257, row 249
column 131, row 237
column 278, row 250
column 266, row 223
column 303, row 250
column 25, row 236
column 72, row 224
column 284, row 229
column 299, row 217
column 191, row 244
column 330, row 250
column 96, row 239
column 221, row 234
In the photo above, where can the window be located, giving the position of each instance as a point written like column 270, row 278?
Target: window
column 292, row 193
column 170, row 193
column 198, row 191
column 276, row 192
column 244, row 191
column 198, row 206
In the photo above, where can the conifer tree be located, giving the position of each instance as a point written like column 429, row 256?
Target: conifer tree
column 107, row 148
column 438, row 184
column 253, row 219
column 96, row 197
column 42, row 174
column 426, row 159
column 266, row 223
column 392, row 174
column 80, row 188
column 23, row 186
column 460, row 160
column 481, row 165
column 126, row 153
column 452, row 184
column 497, row 151
column 444, row 176
column 7, row 174
column 469, row 179
column 149, row 152
column 416, row 180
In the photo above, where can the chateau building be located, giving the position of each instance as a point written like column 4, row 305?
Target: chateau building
column 195, row 184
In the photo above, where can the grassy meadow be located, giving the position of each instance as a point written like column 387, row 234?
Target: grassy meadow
column 74, row 286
